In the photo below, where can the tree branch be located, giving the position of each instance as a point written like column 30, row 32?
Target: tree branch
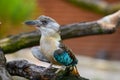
column 4, row 75
column 106, row 25
column 99, row 6
column 31, row 71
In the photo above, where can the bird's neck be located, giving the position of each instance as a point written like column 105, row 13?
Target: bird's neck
column 55, row 36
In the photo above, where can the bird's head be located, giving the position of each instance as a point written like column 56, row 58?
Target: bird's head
column 45, row 24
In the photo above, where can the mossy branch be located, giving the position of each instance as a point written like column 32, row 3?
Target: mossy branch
column 106, row 25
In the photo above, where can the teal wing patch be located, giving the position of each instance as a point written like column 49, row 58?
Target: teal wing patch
column 63, row 57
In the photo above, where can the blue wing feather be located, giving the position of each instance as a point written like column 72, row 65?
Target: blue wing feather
column 63, row 58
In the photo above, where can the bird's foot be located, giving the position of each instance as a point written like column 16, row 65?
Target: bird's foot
column 62, row 68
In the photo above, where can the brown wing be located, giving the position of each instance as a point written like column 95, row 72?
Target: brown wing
column 69, row 51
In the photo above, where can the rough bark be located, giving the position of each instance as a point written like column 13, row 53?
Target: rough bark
column 99, row 6
column 31, row 71
column 106, row 25
column 4, row 75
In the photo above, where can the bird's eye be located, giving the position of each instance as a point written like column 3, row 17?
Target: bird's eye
column 44, row 22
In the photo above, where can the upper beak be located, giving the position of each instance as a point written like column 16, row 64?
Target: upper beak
column 33, row 22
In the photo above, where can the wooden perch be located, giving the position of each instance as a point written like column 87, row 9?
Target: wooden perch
column 33, row 72
column 4, row 75
column 106, row 25
column 98, row 6
column 30, row 71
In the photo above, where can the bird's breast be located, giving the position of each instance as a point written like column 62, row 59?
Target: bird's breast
column 48, row 46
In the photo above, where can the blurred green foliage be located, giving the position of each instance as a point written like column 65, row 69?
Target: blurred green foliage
column 16, row 10
column 13, row 13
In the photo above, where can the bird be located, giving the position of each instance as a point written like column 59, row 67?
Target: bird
column 52, row 49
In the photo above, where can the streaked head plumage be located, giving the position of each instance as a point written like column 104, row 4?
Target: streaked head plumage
column 43, row 18
column 44, row 22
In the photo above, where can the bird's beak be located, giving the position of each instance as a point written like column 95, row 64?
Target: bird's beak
column 38, row 23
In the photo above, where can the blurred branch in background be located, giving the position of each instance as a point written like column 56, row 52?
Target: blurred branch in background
column 106, row 25
column 14, row 12
column 98, row 6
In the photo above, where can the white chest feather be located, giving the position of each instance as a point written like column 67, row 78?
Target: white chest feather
column 48, row 46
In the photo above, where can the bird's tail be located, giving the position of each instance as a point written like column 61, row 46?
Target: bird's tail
column 74, row 71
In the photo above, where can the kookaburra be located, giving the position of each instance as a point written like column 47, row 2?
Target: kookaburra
column 51, row 48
